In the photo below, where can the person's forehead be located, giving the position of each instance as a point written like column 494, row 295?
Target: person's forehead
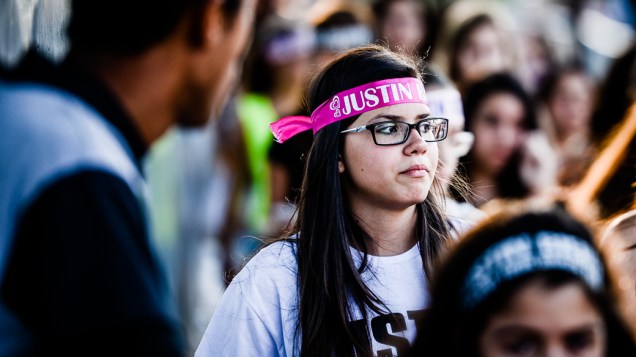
column 405, row 110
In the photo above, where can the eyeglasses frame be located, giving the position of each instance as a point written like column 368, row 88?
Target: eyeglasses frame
column 415, row 126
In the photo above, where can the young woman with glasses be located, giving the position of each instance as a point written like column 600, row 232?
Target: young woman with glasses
column 350, row 277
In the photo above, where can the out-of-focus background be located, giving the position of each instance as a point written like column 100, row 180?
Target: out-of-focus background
column 217, row 192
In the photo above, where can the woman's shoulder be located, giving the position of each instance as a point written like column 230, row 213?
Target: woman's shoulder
column 273, row 262
column 268, row 282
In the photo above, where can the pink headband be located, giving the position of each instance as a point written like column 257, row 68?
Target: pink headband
column 352, row 102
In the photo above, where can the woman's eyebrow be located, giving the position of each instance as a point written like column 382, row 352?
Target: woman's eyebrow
column 514, row 330
column 394, row 117
column 386, row 116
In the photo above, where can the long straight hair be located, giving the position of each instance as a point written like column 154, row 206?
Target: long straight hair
column 330, row 286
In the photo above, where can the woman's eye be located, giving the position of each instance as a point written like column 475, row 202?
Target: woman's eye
column 425, row 128
column 491, row 120
column 579, row 341
column 386, row 128
column 522, row 347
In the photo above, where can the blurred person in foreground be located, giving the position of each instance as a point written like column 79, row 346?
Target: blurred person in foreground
column 79, row 274
column 528, row 282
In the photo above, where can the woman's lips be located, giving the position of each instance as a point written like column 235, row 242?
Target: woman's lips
column 416, row 171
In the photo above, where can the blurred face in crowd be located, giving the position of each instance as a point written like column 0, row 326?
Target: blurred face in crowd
column 481, row 55
column 404, row 26
column 389, row 177
column 216, row 66
column 499, row 131
column 545, row 321
column 571, row 104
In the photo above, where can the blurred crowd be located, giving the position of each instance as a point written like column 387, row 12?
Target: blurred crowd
column 537, row 93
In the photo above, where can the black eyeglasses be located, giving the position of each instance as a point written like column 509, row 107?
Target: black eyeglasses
column 397, row 132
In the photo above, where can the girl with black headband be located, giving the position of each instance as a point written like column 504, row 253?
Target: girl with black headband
column 528, row 282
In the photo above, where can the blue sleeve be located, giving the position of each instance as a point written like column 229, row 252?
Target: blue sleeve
column 82, row 277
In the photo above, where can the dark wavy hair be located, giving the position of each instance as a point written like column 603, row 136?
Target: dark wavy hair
column 329, row 282
column 448, row 329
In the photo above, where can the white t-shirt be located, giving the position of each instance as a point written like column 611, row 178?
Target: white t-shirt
column 257, row 315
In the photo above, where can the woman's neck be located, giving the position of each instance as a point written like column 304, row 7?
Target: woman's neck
column 391, row 232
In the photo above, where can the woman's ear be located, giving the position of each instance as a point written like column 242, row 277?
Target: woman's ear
column 341, row 165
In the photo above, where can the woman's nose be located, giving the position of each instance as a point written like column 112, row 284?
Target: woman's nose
column 415, row 142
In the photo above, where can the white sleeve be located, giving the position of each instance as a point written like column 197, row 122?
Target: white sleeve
column 236, row 329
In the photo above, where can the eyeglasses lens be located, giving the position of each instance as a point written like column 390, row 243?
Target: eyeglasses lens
column 392, row 133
